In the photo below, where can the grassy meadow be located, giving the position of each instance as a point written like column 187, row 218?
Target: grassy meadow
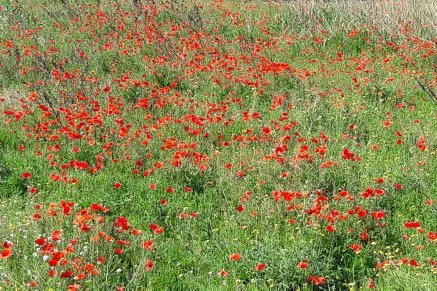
column 218, row 145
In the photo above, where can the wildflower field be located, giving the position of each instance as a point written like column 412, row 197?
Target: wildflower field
column 216, row 145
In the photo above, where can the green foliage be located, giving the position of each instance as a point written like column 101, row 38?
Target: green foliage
column 238, row 148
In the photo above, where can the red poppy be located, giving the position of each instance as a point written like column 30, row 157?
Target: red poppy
column 56, row 235
column 353, row 33
column 223, row 273
column 432, row 236
column 316, row 280
column 148, row 245
column 66, row 274
column 330, row 228
column 52, row 273
column 421, row 144
column 6, row 253
column 378, row 214
column 26, row 175
column 364, row 236
column 235, row 257
column 348, row 155
column 149, row 265
column 136, row 232
column 260, row 267
column 362, row 213
column 8, row 244
column 356, row 248
column 100, row 260
column 266, row 130
column 303, row 264
column 412, row 224
column 241, row 174
column 40, row 241
column 240, row 208
column 371, row 284
column 156, row 229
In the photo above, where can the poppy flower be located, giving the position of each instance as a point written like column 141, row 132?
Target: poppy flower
column 412, row 224
column 98, row 207
column 149, row 265
column 235, row 257
column 387, row 123
column 148, row 245
column 260, row 267
column 8, row 244
column 6, row 253
column 122, row 223
column 241, row 174
column 303, row 264
column 40, row 241
column 52, row 273
column 26, row 175
column 362, row 213
column 378, row 214
column 240, row 208
column 353, row 33
column 371, row 284
column 136, row 232
column 432, row 236
column 380, row 180
column 100, row 260
column 222, row 273
column 56, row 235
column 364, row 236
column 316, row 280
column 31, row 284
column 356, row 248
column 421, row 144
column 266, row 130
column 66, row 274
column 330, row 228
column 156, row 228
column 36, row 216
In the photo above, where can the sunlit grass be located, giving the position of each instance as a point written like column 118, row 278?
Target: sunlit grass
column 218, row 144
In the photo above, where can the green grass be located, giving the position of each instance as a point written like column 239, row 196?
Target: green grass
column 238, row 149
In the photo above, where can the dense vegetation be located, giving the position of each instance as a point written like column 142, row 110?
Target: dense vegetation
column 218, row 144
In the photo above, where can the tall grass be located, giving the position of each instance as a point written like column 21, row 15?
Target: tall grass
column 217, row 144
column 418, row 17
